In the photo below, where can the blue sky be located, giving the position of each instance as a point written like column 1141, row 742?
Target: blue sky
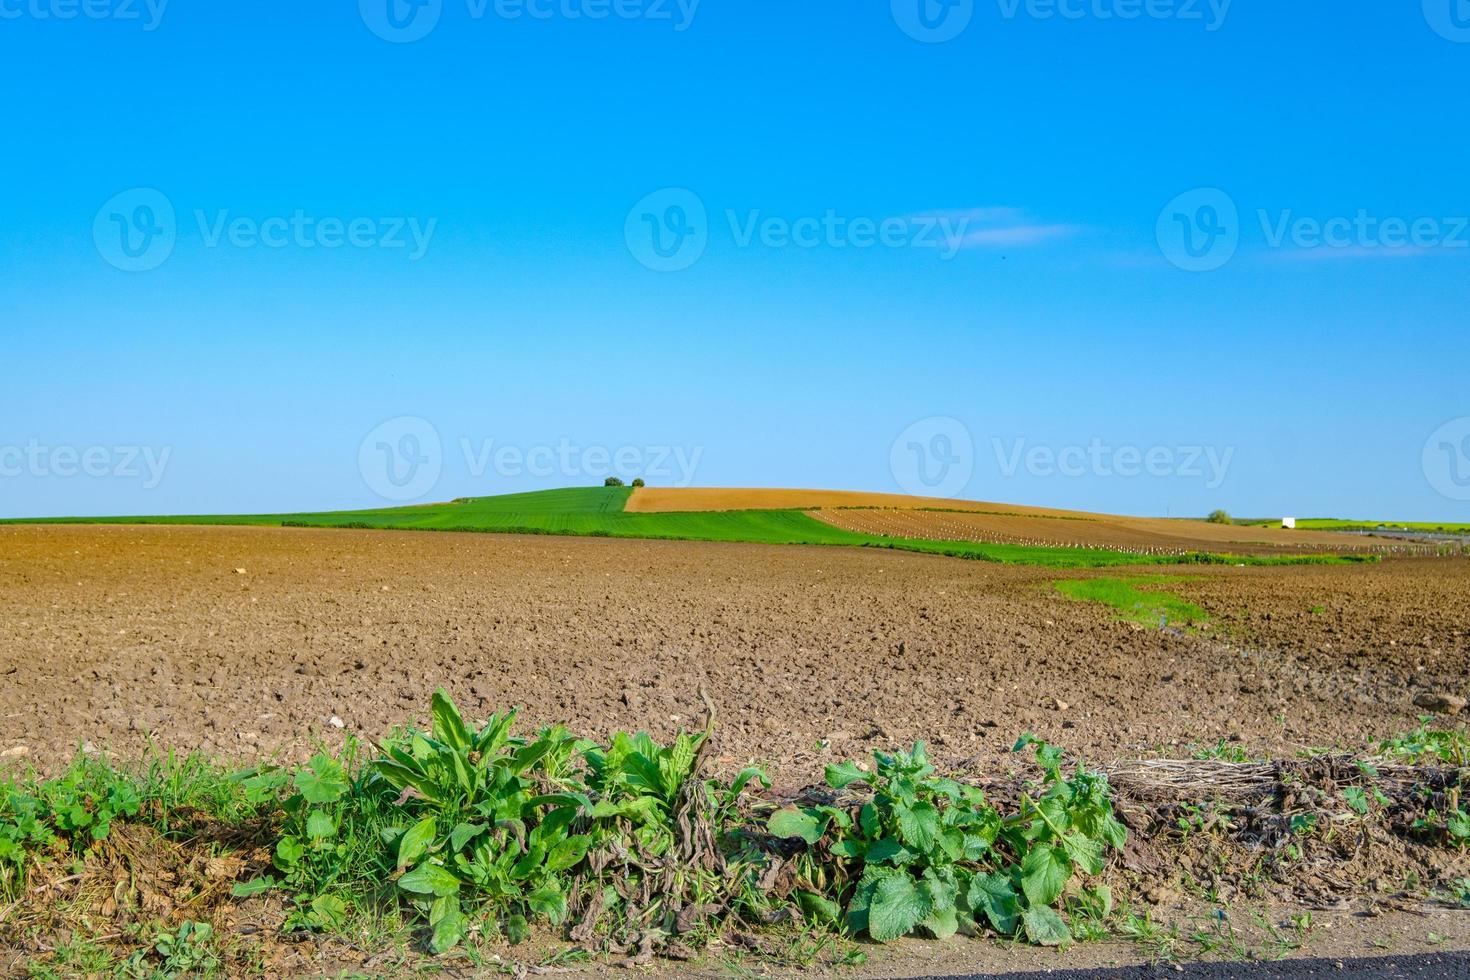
column 912, row 263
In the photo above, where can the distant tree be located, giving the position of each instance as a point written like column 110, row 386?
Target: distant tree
column 1219, row 517
column 638, row 482
column 612, row 481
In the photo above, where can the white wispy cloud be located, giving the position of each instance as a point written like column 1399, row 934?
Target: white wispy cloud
column 1000, row 227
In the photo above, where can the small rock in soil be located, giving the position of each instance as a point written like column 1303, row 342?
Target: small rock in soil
column 1444, row 704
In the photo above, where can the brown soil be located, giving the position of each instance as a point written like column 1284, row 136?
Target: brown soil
column 246, row 641
column 1141, row 534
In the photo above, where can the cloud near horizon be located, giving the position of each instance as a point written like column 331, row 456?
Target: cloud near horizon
column 1001, row 227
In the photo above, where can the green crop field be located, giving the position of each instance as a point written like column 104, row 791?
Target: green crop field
column 599, row 512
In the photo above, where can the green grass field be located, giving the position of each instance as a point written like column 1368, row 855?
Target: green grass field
column 1138, row 600
column 598, row 512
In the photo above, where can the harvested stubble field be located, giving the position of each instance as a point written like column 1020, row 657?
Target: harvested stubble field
column 245, row 641
column 255, row 643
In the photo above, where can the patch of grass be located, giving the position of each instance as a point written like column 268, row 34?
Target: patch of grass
column 600, row 512
column 1137, row 600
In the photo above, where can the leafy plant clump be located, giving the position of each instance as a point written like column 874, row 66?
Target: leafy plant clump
column 908, row 851
column 480, row 829
column 1219, row 517
column 60, row 815
column 627, row 846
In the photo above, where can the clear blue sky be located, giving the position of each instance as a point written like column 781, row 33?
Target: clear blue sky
column 1061, row 316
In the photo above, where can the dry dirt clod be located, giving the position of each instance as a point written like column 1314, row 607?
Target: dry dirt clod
column 15, row 752
column 1444, row 704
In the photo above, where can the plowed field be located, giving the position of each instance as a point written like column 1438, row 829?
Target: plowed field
column 247, row 641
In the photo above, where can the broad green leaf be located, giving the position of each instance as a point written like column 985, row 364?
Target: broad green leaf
column 1044, row 874
column 447, row 924
column 1084, row 852
column 1114, row 832
column 942, row 923
column 793, row 822
column 288, row 852
column 549, row 901
column 818, row 908
column 890, row 850
column 918, row 825
column 860, row 904
column 462, row 835
column 941, row 888
column 849, row 848
column 328, row 911
column 429, row 879
column 400, row 776
column 567, row 854
column 1356, row 798
column 255, row 886
column 747, row 775
column 415, row 842
column 1045, row 927
column 322, row 781
column 844, row 774
column 898, row 906
column 320, row 825
column 529, row 755
column 994, row 895
column 448, row 725
column 869, row 820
